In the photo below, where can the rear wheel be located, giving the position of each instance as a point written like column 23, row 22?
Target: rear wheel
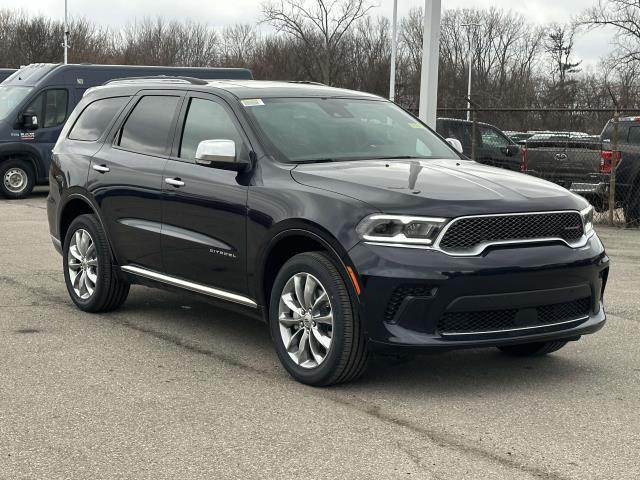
column 533, row 349
column 88, row 269
column 314, row 324
column 17, row 178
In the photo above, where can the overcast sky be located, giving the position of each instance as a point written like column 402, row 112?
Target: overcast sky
column 589, row 47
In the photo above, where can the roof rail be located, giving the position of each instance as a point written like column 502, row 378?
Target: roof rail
column 308, row 82
column 160, row 78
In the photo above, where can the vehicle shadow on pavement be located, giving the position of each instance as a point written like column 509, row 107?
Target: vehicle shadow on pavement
column 192, row 323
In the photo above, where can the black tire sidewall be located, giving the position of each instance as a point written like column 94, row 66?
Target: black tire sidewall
column 343, row 313
column 91, row 225
column 28, row 169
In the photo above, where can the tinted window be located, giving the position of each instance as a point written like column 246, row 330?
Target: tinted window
column 634, row 135
column 50, row 107
column 95, row 118
column 492, row 138
column 206, row 120
column 148, row 127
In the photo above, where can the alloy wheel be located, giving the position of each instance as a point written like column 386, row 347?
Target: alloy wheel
column 305, row 318
column 82, row 261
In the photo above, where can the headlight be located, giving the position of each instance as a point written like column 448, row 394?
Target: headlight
column 400, row 229
column 587, row 219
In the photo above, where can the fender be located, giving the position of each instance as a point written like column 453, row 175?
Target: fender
column 315, row 232
column 80, row 195
column 13, row 148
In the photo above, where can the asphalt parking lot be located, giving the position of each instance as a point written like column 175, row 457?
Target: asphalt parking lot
column 170, row 387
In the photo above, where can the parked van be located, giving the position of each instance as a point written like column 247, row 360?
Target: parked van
column 6, row 73
column 36, row 100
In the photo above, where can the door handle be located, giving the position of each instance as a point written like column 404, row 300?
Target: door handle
column 176, row 182
column 101, row 168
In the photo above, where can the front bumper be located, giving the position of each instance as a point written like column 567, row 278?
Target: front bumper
column 422, row 298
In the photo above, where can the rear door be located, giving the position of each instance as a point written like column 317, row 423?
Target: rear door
column 125, row 177
column 204, row 208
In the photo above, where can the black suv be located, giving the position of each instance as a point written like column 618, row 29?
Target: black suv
column 339, row 219
column 493, row 147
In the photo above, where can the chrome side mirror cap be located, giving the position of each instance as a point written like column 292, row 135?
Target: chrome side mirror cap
column 220, row 150
column 455, row 143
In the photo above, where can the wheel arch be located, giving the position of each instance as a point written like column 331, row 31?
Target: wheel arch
column 77, row 204
column 293, row 240
column 25, row 152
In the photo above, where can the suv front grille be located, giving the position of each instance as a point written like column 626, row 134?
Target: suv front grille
column 471, row 233
column 497, row 320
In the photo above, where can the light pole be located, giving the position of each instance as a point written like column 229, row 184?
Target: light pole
column 430, row 54
column 470, row 62
column 66, row 33
column 394, row 41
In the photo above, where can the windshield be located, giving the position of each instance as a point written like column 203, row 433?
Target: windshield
column 10, row 96
column 333, row 129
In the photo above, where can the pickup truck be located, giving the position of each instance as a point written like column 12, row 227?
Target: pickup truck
column 583, row 164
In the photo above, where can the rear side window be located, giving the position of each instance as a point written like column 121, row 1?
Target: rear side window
column 148, row 127
column 633, row 136
column 95, row 119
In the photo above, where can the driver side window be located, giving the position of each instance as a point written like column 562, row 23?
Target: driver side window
column 491, row 138
column 50, row 107
column 206, row 120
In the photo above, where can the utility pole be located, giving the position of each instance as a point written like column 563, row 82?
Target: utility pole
column 394, row 41
column 470, row 33
column 66, row 33
column 430, row 55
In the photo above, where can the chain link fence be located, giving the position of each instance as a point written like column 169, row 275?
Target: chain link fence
column 592, row 152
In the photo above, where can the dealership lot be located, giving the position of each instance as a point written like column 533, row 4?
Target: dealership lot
column 170, row 387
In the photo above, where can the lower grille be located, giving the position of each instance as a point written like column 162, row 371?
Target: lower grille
column 508, row 319
column 402, row 292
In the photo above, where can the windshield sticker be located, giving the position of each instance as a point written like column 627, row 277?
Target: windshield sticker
column 415, row 125
column 27, row 135
column 252, row 102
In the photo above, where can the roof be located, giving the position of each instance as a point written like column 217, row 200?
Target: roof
column 243, row 89
column 33, row 74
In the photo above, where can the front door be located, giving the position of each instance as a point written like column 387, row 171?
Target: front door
column 125, row 178
column 204, row 209
column 51, row 107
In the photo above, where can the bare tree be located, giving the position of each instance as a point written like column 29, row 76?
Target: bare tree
column 319, row 25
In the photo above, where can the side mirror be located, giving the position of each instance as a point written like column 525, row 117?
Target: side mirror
column 219, row 153
column 29, row 121
column 455, row 143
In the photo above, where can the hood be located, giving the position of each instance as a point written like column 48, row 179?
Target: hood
column 446, row 188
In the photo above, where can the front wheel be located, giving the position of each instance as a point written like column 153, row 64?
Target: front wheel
column 314, row 324
column 17, row 178
column 533, row 349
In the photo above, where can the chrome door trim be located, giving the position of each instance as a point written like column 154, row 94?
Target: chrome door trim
column 187, row 285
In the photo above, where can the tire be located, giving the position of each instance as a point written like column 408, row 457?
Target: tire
column 347, row 354
column 17, row 178
column 107, row 292
column 533, row 349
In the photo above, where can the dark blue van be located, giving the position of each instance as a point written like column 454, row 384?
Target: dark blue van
column 36, row 100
